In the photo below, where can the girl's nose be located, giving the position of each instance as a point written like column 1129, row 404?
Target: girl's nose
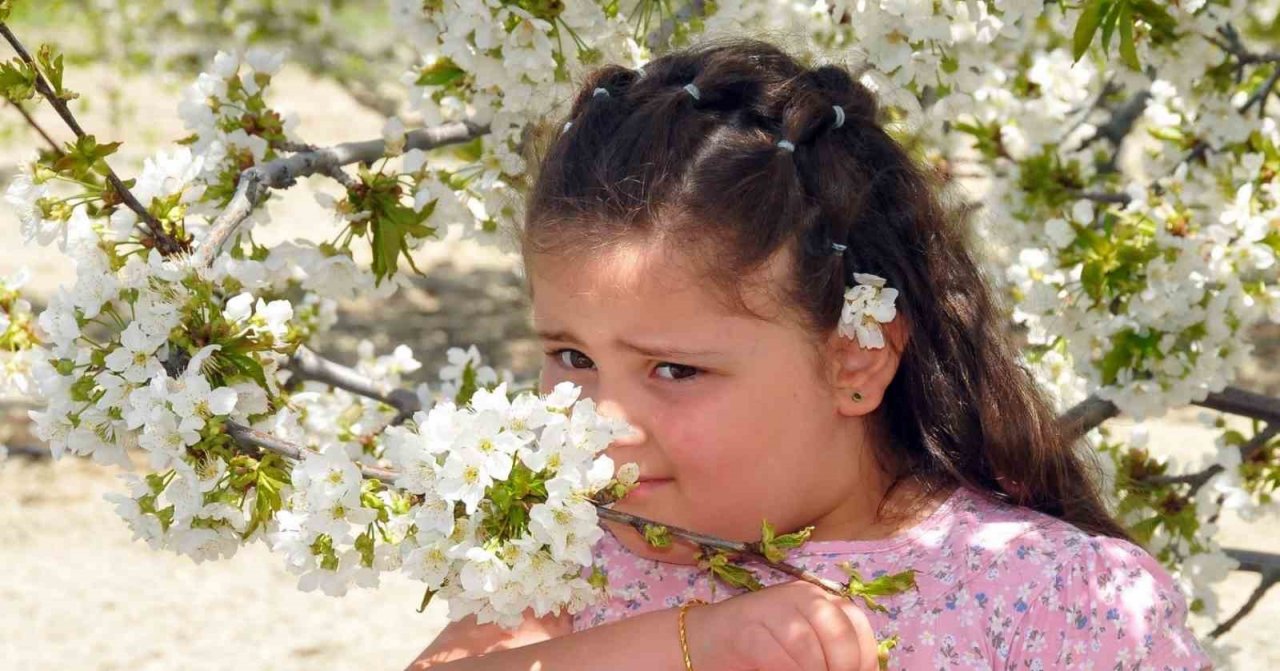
column 612, row 408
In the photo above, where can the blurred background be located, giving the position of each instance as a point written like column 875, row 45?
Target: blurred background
column 75, row 589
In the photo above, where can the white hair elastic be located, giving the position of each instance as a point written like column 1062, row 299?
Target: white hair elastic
column 693, row 91
column 600, row 92
column 839, row 116
column 839, row 248
column 786, row 144
column 566, row 125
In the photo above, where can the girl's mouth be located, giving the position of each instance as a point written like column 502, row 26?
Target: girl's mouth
column 646, row 488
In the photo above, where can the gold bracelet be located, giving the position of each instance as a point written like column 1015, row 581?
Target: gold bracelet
column 684, row 637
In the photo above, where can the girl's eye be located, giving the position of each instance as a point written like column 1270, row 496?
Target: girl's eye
column 679, row 372
column 572, row 358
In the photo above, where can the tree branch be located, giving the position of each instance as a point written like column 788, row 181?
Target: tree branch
column 1197, row 479
column 31, row 121
column 284, row 172
column 1261, row 94
column 164, row 242
column 308, row 365
column 1234, row 46
column 702, row 540
column 1269, row 579
column 249, row 437
column 1104, row 197
column 1093, row 411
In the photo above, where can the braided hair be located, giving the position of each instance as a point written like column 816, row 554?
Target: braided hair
column 733, row 151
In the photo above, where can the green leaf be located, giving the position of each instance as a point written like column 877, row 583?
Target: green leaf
column 391, row 224
column 729, row 573
column 774, row 547
column 886, row 585
column 6, row 6
column 1128, row 50
column 51, row 64
column 17, row 81
column 657, row 535
column 1086, row 26
column 442, row 73
column 883, row 648
column 1110, row 14
column 1155, row 14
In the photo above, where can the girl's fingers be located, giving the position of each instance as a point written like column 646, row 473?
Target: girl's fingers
column 868, row 648
column 802, row 642
column 838, row 635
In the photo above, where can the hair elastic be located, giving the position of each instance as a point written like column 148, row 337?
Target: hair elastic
column 839, row 116
column 838, row 248
column 566, row 125
column 600, row 92
column 693, row 91
column 786, row 144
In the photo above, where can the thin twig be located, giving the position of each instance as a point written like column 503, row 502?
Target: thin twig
column 1269, row 579
column 164, row 243
column 1261, row 94
column 736, row 547
column 31, row 121
column 1233, row 45
column 1199, row 478
column 284, row 172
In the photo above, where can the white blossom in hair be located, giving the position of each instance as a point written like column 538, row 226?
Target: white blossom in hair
column 867, row 305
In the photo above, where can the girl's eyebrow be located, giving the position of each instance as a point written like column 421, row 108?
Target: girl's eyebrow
column 656, row 351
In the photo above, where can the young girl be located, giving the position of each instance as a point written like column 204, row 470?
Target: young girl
column 727, row 250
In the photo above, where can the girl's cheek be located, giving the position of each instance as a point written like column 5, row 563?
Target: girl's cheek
column 693, row 437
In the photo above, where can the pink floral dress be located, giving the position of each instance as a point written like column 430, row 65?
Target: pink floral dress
column 998, row 587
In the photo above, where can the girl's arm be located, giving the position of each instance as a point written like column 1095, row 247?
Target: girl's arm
column 648, row 642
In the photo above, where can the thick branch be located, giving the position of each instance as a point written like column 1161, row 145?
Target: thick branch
column 284, row 172
column 1093, row 411
column 250, row 437
column 165, row 243
column 308, row 365
column 1104, row 197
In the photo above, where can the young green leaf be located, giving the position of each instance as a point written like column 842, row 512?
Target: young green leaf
column 1086, row 26
column 775, row 547
column 1128, row 50
column 17, row 81
column 657, row 535
column 729, row 573
column 883, row 648
column 885, row 585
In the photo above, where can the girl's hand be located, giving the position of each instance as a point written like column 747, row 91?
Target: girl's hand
column 795, row 626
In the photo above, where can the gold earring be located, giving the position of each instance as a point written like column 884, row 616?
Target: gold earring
column 857, row 396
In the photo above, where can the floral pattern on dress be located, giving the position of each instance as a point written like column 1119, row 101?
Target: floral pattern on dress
column 998, row 587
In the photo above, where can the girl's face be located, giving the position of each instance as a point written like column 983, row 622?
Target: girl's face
column 735, row 419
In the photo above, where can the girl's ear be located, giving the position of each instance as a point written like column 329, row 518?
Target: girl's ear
column 860, row 376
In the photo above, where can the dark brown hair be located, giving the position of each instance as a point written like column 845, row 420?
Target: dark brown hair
column 700, row 170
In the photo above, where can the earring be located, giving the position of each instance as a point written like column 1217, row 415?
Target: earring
column 857, row 396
